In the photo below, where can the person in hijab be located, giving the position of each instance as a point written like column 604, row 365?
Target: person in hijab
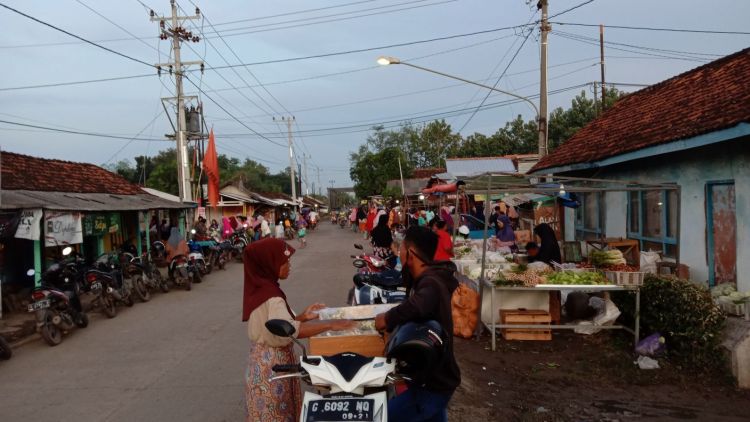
column 505, row 233
column 175, row 246
column 370, row 224
column 227, row 224
column 266, row 262
column 549, row 250
column 381, row 238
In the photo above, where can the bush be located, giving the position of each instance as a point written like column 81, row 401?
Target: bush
column 685, row 314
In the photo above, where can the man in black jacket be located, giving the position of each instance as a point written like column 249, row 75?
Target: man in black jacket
column 431, row 287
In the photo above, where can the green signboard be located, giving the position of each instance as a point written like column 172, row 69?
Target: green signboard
column 114, row 222
column 96, row 224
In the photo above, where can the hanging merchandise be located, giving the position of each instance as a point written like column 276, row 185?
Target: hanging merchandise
column 28, row 225
column 62, row 228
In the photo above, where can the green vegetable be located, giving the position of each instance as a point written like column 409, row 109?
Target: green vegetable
column 603, row 258
column 576, row 278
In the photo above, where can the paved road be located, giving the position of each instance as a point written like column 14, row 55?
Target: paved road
column 179, row 357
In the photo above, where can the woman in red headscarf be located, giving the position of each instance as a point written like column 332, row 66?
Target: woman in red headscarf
column 266, row 262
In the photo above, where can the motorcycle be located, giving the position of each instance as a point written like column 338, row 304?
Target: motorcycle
column 226, row 253
column 343, row 221
column 136, row 275
column 197, row 258
column 181, row 272
column 56, row 305
column 106, row 283
column 152, row 277
column 5, row 351
column 345, row 377
column 239, row 240
column 375, row 282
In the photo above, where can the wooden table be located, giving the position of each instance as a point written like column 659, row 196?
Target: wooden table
column 493, row 326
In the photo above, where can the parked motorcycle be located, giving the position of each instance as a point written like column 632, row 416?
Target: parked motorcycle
column 180, row 272
column 197, row 257
column 226, row 253
column 5, row 351
column 106, row 282
column 356, row 387
column 375, row 282
column 56, row 305
column 136, row 275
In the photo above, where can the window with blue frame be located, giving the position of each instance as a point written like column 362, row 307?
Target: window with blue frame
column 652, row 219
column 589, row 216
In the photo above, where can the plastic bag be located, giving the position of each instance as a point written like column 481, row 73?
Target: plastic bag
column 465, row 303
column 653, row 345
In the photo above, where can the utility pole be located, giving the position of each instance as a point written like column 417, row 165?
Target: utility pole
column 545, row 29
column 320, row 187
column 601, row 52
column 179, row 34
column 292, row 167
column 307, row 181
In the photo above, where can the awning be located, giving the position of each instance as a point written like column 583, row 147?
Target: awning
column 65, row 201
column 8, row 224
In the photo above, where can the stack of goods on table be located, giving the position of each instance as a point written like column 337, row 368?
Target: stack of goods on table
column 616, row 269
column 363, row 339
column 730, row 300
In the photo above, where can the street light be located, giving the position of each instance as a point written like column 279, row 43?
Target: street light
column 387, row 60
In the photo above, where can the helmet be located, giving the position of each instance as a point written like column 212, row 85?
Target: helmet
column 158, row 250
column 464, row 230
column 417, row 346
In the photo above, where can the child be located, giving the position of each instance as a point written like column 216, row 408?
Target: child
column 302, row 232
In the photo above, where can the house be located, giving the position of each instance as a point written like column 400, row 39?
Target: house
column 47, row 204
column 692, row 130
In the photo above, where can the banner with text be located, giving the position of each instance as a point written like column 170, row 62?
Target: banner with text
column 62, row 228
column 28, row 226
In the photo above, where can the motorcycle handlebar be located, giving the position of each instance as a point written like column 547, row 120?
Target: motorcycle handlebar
column 294, row 367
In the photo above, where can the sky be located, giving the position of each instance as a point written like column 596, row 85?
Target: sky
column 335, row 99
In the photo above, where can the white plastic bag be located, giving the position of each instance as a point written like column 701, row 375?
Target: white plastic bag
column 649, row 261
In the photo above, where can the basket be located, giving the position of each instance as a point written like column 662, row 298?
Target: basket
column 625, row 278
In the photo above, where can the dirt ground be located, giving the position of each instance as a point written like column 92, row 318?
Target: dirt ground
column 583, row 378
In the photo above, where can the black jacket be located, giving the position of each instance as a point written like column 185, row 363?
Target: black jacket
column 430, row 299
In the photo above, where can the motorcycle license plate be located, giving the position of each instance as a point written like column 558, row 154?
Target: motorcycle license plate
column 338, row 410
column 42, row 304
column 96, row 286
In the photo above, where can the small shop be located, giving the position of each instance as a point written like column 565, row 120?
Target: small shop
column 523, row 300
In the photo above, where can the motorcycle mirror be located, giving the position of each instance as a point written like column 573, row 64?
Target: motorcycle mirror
column 30, row 272
column 67, row 251
column 280, row 327
column 358, row 246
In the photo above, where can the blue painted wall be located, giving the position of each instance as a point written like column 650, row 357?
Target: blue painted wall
column 691, row 170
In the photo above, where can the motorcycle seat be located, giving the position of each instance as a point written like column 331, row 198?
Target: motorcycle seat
column 389, row 280
column 348, row 363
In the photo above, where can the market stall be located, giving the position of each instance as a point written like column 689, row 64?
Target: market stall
column 505, row 283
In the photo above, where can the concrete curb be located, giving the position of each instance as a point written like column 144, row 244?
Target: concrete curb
column 26, row 340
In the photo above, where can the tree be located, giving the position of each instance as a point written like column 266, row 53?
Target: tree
column 432, row 144
column 563, row 124
column 371, row 171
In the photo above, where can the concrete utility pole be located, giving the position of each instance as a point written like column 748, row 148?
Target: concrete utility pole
column 601, row 52
column 545, row 28
column 307, row 181
column 320, row 187
column 292, row 167
column 179, row 34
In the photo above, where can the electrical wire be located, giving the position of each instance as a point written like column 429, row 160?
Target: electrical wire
column 75, row 36
column 597, row 44
column 570, row 9
column 150, row 124
column 77, row 132
column 512, row 59
column 295, row 12
column 135, row 37
column 646, row 28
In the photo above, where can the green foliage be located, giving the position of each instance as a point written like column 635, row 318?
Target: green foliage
column 372, row 170
column 685, row 314
column 563, row 124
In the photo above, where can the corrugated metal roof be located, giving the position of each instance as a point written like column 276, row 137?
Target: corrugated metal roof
column 66, row 201
column 411, row 186
column 465, row 167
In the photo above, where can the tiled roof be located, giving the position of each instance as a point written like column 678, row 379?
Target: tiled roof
column 712, row 97
column 22, row 172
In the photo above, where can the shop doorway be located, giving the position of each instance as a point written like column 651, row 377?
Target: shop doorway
column 721, row 228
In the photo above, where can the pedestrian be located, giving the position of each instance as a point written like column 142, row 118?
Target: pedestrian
column 265, row 230
column 381, row 239
column 444, row 251
column 266, row 262
column 362, row 218
column 493, row 219
column 429, row 215
column 353, row 219
column 153, row 228
column 227, row 225
column 505, row 233
column 165, row 230
column 430, row 288
column 370, row 224
column 422, row 219
column 549, row 249
column 302, row 232
column 175, row 245
column 279, row 229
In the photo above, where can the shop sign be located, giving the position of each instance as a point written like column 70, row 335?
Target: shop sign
column 28, row 226
column 547, row 215
column 202, row 212
column 114, row 222
column 61, row 228
column 94, row 225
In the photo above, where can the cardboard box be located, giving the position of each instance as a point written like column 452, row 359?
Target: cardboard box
column 371, row 345
column 523, row 237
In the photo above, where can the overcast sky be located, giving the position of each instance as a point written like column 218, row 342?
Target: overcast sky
column 334, row 99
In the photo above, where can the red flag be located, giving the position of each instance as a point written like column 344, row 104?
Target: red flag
column 211, row 167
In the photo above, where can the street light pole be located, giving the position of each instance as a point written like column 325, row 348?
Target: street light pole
column 385, row 61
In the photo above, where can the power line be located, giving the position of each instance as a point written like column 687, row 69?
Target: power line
column 660, row 50
column 75, row 36
column 135, row 37
column 136, row 135
column 596, row 43
column 76, row 132
column 570, row 9
column 646, row 28
column 512, row 59
column 295, row 12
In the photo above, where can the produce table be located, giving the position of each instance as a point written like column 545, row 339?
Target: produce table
column 630, row 248
column 493, row 325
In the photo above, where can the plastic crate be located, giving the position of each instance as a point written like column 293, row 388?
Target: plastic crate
column 625, row 278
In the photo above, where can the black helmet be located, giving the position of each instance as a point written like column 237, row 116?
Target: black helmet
column 417, row 346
